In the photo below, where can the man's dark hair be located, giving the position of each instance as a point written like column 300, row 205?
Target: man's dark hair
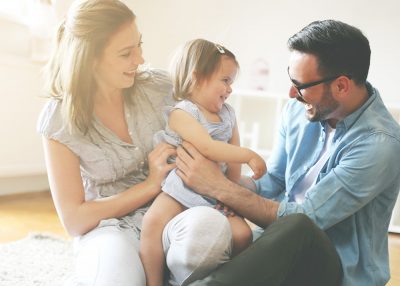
column 339, row 48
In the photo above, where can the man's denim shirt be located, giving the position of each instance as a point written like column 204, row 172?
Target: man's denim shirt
column 356, row 189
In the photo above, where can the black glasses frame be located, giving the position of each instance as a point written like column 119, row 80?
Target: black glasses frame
column 313, row 83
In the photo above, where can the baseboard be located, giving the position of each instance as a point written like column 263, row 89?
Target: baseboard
column 23, row 184
column 394, row 229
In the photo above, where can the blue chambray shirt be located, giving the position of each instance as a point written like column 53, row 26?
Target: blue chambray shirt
column 356, row 190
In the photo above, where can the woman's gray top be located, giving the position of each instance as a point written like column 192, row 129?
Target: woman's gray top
column 109, row 165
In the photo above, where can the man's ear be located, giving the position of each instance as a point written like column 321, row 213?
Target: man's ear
column 342, row 86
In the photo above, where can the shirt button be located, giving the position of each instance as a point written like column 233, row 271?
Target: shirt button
column 128, row 115
column 136, row 148
column 142, row 163
column 130, row 132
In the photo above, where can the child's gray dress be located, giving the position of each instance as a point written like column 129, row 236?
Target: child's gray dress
column 221, row 131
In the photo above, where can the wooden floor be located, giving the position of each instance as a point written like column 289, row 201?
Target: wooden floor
column 34, row 212
column 25, row 213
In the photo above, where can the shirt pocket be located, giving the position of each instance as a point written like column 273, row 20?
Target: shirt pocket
column 321, row 175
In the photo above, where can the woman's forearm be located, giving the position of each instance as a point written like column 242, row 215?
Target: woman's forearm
column 79, row 216
column 87, row 215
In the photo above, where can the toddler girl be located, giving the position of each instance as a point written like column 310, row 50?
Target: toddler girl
column 202, row 77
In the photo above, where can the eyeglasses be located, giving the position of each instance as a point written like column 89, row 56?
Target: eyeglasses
column 310, row 84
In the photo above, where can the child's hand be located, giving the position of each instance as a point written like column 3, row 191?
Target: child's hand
column 226, row 210
column 257, row 164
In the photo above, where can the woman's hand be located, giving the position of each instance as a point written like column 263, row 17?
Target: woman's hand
column 158, row 166
column 197, row 172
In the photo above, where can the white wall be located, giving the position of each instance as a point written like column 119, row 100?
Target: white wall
column 21, row 156
column 256, row 29
column 260, row 28
column 252, row 29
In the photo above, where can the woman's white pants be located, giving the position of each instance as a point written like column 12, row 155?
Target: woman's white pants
column 195, row 242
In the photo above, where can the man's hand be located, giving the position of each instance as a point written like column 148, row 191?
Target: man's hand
column 197, row 172
column 205, row 177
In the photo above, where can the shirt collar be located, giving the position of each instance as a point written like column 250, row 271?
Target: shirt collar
column 350, row 119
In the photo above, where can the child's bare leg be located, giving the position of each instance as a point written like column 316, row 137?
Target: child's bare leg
column 241, row 234
column 163, row 209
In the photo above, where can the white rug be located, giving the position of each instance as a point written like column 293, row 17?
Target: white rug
column 37, row 260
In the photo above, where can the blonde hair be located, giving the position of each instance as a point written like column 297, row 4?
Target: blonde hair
column 80, row 40
column 199, row 57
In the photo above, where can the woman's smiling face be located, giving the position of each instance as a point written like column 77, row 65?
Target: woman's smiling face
column 120, row 59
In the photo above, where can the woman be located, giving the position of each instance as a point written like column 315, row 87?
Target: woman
column 97, row 135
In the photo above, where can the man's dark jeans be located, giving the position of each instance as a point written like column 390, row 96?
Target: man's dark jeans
column 292, row 251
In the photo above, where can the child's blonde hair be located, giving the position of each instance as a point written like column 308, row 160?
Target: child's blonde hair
column 199, row 57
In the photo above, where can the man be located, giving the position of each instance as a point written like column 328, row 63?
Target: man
column 332, row 179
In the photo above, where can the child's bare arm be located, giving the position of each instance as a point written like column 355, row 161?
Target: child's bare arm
column 189, row 129
column 192, row 131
